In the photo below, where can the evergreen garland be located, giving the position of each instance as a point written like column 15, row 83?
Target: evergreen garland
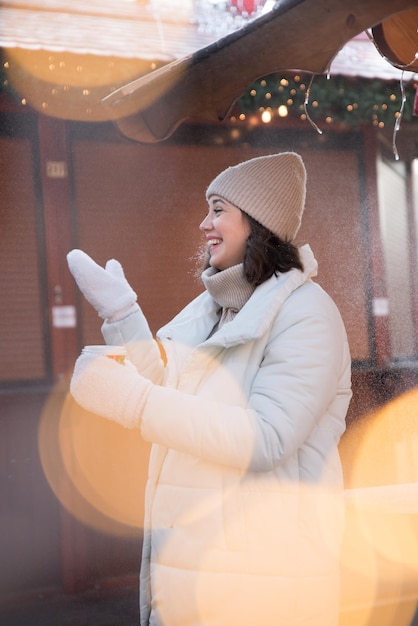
column 351, row 102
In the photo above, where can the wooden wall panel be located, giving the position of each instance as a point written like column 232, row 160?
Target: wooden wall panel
column 30, row 552
column 21, row 314
column 333, row 225
column 143, row 205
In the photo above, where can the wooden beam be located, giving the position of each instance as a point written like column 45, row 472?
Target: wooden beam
column 296, row 35
column 55, row 179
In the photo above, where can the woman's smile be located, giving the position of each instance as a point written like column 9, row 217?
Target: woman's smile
column 226, row 229
column 213, row 242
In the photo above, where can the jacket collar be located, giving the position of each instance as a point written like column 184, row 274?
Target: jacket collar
column 195, row 322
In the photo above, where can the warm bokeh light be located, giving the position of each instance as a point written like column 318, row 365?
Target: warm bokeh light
column 380, row 551
column 96, row 468
column 266, row 116
column 69, row 85
column 98, row 471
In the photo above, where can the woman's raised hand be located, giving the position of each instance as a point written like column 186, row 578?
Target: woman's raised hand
column 105, row 288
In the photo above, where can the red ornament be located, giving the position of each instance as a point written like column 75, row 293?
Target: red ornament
column 245, row 6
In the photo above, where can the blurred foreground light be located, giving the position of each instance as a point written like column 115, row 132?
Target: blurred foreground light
column 380, row 551
column 96, row 468
column 69, row 85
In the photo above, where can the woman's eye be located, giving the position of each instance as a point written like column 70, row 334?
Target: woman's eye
column 217, row 210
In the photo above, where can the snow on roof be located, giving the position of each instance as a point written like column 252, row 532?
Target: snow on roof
column 158, row 30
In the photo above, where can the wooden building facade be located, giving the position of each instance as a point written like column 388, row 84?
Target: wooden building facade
column 73, row 184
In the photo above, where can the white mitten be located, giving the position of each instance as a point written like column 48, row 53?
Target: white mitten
column 109, row 389
column 105, row 288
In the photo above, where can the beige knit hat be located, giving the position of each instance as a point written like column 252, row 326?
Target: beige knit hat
column 270, row 188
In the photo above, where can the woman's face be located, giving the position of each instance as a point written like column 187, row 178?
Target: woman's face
column 226, row 230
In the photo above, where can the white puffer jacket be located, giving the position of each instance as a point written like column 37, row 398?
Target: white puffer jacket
column 243, row 507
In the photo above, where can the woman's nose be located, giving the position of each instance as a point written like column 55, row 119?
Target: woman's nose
column 206, row 224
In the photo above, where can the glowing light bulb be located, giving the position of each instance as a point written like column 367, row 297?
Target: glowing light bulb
column 282, row 110
column 266, row 117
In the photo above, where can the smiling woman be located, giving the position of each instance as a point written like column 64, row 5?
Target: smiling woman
column 244, row 508
column 226, row 230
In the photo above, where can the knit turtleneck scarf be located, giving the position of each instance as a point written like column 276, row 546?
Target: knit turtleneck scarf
column 229, row 288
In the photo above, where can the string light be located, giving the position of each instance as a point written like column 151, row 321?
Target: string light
column 266, row 116
column 305, row 106
column 399, row 117
column 349, row 102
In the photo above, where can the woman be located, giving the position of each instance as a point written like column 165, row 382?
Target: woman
column 245, row 410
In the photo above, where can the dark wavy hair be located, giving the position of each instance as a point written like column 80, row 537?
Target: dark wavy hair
column 265, row 254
